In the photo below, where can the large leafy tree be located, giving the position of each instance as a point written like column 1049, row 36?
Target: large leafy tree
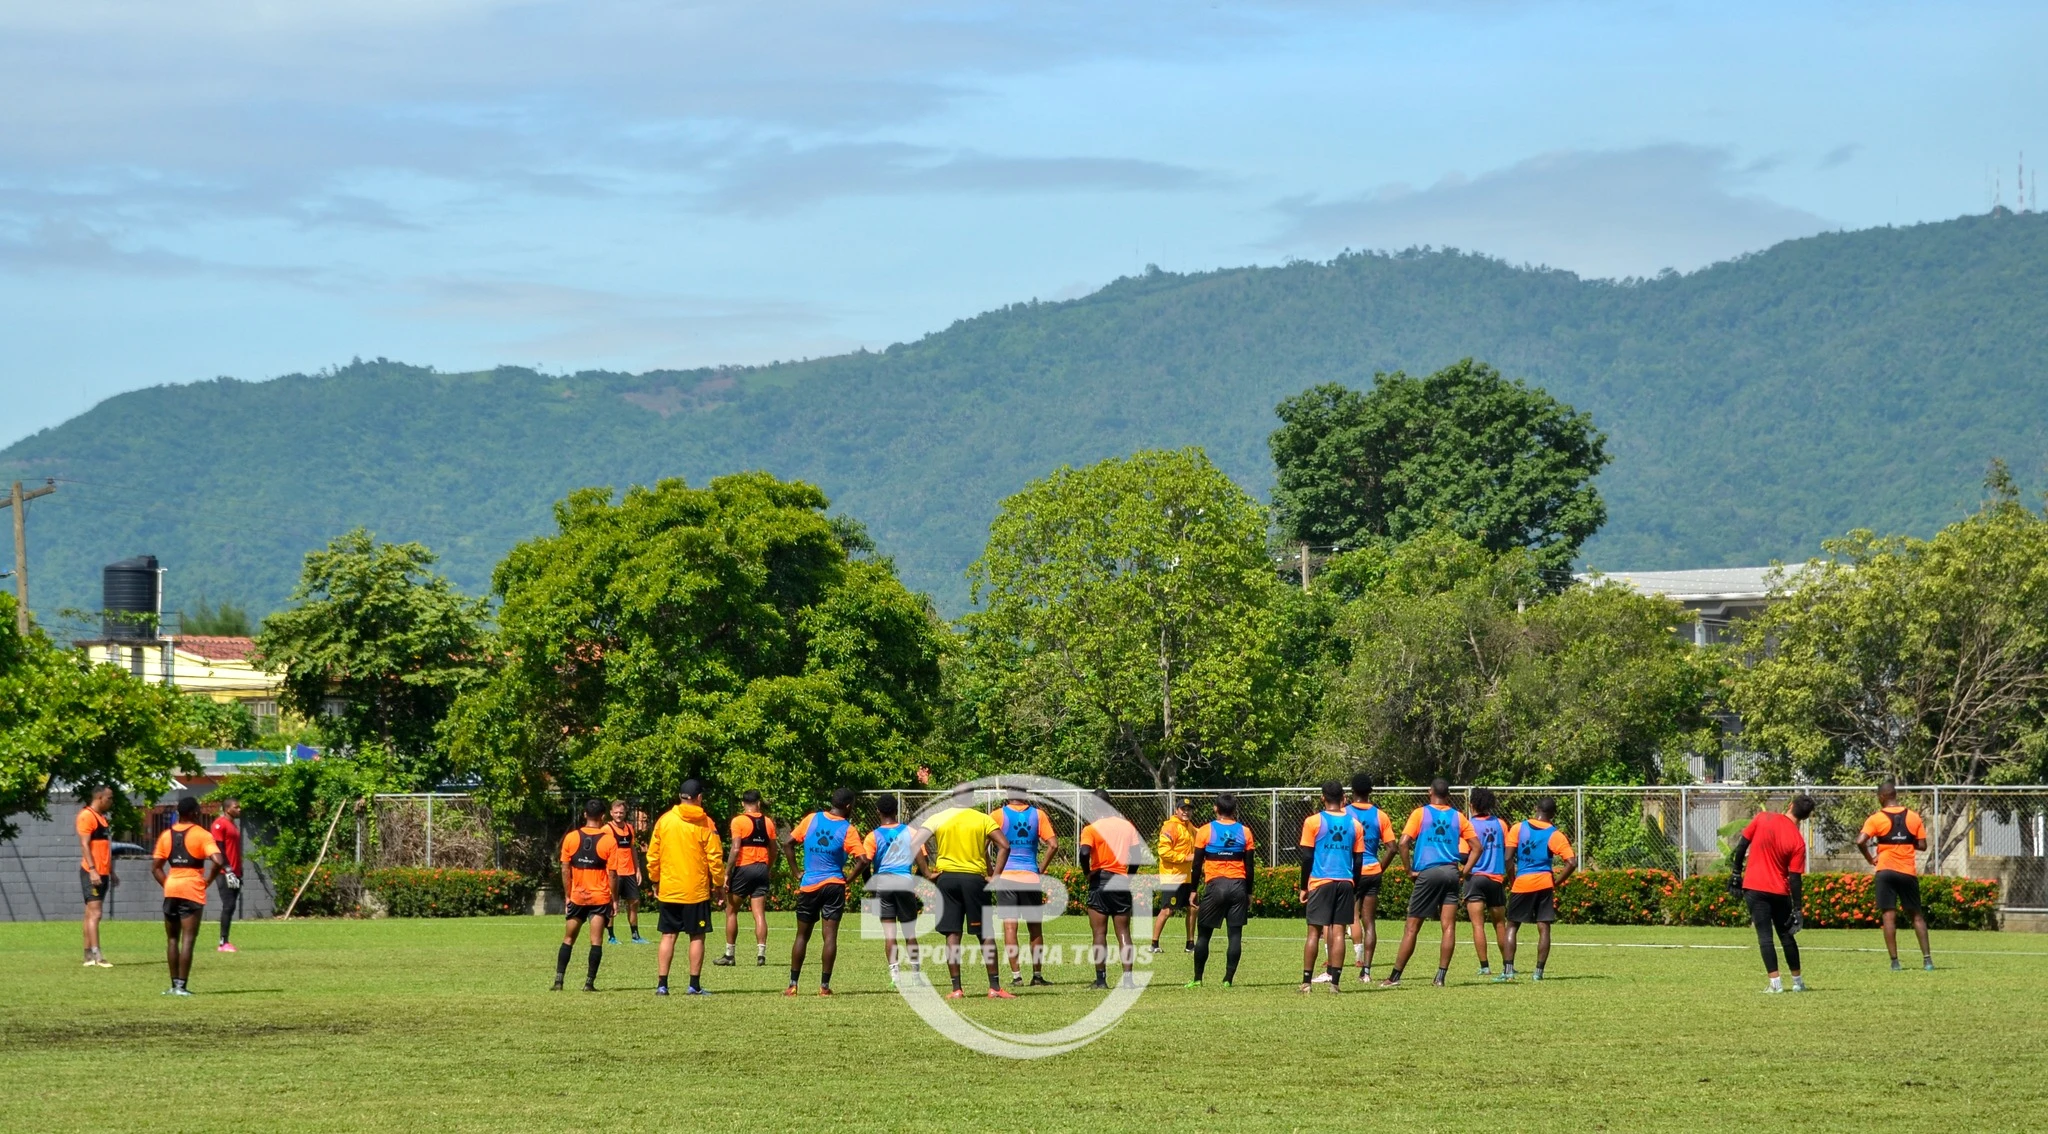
column 1494, row 460
column 66, row 721
column 372, row 627
column 1130, row 628
column 720, row 632
column 1924, row 659
column 1465, row 664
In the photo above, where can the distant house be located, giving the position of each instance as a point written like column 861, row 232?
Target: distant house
column 1719, row 596
column 199, row 663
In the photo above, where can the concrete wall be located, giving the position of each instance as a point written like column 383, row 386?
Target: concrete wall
column 39, row 876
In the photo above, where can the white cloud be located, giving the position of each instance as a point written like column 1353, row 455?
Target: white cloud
column 1606, row 213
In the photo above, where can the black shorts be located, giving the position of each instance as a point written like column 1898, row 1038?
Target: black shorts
column 574, row 911
column 625, row 888
column 1225, row 901
column 1480, row 888
column 90, row 890
column 692, row 919
column 1897, row 890
column 1177, row 896
column 1331, row 903
column 961, row 899
column 750, row 881
column 176, row 908
column 1016, row 897
column 896, row 905
column 826, row 903
column 1110, row 899
column 1525, row 906
column 1367, row 885
column 1435, row 888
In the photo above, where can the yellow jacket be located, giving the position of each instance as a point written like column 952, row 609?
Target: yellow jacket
column 1176, row 849
column 684, row 855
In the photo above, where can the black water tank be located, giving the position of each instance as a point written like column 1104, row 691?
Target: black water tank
column 129, row 599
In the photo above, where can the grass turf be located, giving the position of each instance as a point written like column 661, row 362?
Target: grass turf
column 448, row 1025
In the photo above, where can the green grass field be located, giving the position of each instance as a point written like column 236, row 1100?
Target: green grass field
column 448, row 1025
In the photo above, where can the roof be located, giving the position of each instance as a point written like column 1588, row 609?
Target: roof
column 216, row 647
column 1693, row 586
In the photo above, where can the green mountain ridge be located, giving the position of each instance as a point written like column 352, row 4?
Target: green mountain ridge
column 1755, row 407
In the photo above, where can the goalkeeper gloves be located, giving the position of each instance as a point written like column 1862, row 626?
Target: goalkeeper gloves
column 1798, row 922
column 234, row 880
column 1735, row 884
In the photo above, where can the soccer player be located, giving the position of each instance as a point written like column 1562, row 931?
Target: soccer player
column 95, row 867
column 1542, row 859
column 1486, row 897
column 625, row 868
column 830, row 841
column 751, row 875
column 184, row 864
column 1029, row 835
column 966, row 843
column 1890, row 840
column 686, row 867
column 1770, row 856
column 1379, row 849
column 1336, row 854
column 1223, row 861
column 1108, row 847
column 587, row 854
column 227, row 835
column 1176, row 852
column 894, row 852
column 1432, row 838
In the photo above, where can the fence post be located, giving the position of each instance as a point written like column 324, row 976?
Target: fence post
column 1684, row 836
column 1579, row 821
column 430, row 831
column 1937, row 830
column 1273, row 827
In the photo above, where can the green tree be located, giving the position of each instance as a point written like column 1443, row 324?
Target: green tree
column 1465, row 664
column 224, row 619
column 64, row 720
column 1923, row 659
column 1130, row 627
column 372, row 627
column 718, row 632
column 1497, row 461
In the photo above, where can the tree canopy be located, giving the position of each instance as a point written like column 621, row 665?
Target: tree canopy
column 718, row 632
column 1494, row 460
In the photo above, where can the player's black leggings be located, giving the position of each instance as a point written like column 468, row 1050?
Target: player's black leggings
column 229, row 899
column 1768, row 912
column 1231, row 954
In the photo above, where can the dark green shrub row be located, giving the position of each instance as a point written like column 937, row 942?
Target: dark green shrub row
column 408, row 891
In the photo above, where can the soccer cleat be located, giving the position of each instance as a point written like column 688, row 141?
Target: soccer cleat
column 1773, row 991
column 637, row 939
column 696, row 992
column 1799, row 984
column 1305, row 987
column 1504, row 978
column 1486, row 970
column 1017, row 978
column 1038, row 981
column 226, row 947
column 790, row 991
column 610, row 940
column 724, row 962
column 1197, row 984
column 956, row 994
column 1896, row 966
column 1321, row 978
column 1001, row 994
column 823, row 991
column 1101, row 984
column 1391, row 982
column 1436, row 982
column 589, row 986
column 1538, row 975
column 760, row 959
column 1926, row 964
column 557, row 986
column 1226, row 984
column 100, row 959
column 1365, row 976
column 1190, row 948
column 661, row 990
column 1127, row 982
column 90, row 963
column 1337, row 986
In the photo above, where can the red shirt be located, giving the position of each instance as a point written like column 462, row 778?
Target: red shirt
column 229, row 836
column 1776, row 849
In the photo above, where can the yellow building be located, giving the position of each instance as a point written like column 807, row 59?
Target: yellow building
column 198, row 663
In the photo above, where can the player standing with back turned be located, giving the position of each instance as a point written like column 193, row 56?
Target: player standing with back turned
column 1334, row 852
column 1542, row 859
column 1223, row 862
column 1891, row 841
column 1486, row 896
column 830, row 843
column 1432, row 837
column 184, row 863
column 1379, row 849
column 1769, row 858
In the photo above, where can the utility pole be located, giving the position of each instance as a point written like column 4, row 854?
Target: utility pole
column 1304, row 567
column 16, row 500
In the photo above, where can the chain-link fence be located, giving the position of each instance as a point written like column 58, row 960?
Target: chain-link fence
column 1983, row 832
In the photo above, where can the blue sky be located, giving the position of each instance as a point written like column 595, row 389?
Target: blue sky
column 253, row 187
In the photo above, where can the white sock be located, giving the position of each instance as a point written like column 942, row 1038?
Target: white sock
column 760, row 950
column 895, row 966
column 1358, row 954
column 728, row 950
column 1777, row 984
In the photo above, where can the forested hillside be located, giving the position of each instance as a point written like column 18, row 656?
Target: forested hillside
column 1753, row 408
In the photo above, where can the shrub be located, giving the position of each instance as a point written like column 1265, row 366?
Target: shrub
column 1615, row 897
column 333, row 892
column 410, row 891
column 1704, row 899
